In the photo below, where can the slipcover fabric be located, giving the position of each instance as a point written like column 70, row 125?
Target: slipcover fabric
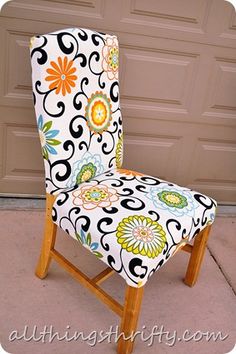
column 131, row 221
column 76, row 97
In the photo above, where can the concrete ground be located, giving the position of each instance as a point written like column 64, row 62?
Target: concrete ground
column 29, row 304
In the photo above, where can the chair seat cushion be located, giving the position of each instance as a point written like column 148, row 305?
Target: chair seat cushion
column 132, row 222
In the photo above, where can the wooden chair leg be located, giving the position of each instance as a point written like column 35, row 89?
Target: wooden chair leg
column 133, row 300
column 48, row 241
column 196, row 257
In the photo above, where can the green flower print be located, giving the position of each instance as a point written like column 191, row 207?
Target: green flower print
column 141, row 235
column 87, row 242
column 47, row 135
column 119, row 152
column 88, row 167
column 173, row 199
column 87, row 172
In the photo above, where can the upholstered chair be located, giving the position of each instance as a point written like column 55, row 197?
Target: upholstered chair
column 132, row 222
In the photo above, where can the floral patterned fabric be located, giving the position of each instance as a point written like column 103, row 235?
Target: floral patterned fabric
column 137, row 222
column 76, row 98
column 132, row 222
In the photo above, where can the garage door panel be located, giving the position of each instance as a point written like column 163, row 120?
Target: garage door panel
column 174, row 70
column 227, row 21
column 214, row 161
column 212, row 167
column 64, row 12
column 184, row 10
column 160, row 151
column 187, row 16
column 221, row 96
column 21, row 144
column 18, row 75
column 16, row 88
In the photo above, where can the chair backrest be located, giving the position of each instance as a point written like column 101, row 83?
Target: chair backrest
column 76, row 98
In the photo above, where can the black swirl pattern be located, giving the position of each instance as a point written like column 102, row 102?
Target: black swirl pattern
column 135, row 236
column 132, row 222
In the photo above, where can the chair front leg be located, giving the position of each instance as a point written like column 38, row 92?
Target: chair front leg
column 133, row 300
column 196, row 257
column 48, row 241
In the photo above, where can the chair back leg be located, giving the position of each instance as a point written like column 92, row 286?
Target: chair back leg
column 196, row 257
column 48, row 241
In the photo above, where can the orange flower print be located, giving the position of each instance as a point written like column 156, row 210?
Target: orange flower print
column 93, row 195
column 98, row 112
column 61, row 75
column 110, row 53
column 129, row 172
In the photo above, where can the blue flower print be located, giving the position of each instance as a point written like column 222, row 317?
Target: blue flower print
column 47, row 135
